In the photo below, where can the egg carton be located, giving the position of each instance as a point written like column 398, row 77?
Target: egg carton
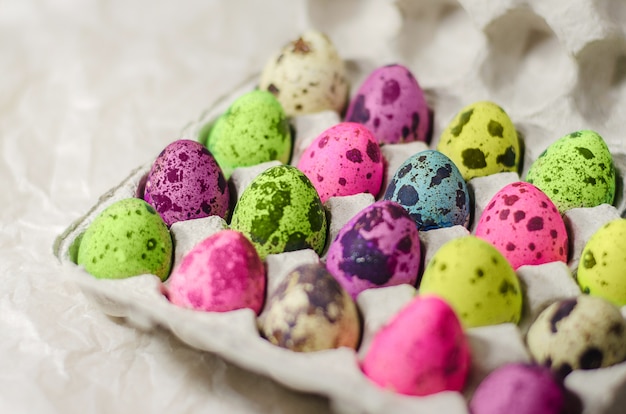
column 501, row 41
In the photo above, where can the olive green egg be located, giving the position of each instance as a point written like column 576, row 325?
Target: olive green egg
column 128, row 238
column 602, row 266
column 481, row 140
column 280, row 211
column 253, row 130
column 575, row 171
column 476, row 280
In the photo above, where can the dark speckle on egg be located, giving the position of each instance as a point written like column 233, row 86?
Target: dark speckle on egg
column 463, row 120
column 474, row 158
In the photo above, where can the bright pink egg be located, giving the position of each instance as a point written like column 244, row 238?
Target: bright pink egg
column 343, row 160
column 524, row 225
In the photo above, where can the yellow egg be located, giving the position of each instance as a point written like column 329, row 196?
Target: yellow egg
column 476, row 280
column 481, row 140
column 602, row 267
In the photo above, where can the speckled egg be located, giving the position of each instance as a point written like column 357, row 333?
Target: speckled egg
column 430, row 187
column 343, row 160
column 128, row 238
column 421, row 351
column 481, row 140
column 186, row 183
column 309, row 311
column 578, row 333
column 602, row 266
column 476, row 280
column 253, row 130
column 391, row 104
column 378, row 247
column 221, row 273
column 575, row 171
column 524, row 225
column 307, row 76
column 280, row 211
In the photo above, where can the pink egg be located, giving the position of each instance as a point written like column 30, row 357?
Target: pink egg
column 524, row 225
column 186, row 183
column 378, row 247
column 220, row 274
column 422, row 351
column 343, row 160
column 391, row 104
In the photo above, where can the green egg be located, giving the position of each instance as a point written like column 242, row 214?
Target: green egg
column 280, row 211
column 481, row 140
column 253, row 130
column 602, row 266
column 476, row 280
column 575, row 171
column 127, row 239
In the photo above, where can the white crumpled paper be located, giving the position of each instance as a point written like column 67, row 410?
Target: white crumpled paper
column 91, row 89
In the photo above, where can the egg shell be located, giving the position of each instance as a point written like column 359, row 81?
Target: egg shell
column 307, row 76
column 253, row 130
column 602, row 267
column 280, row 211
column 309, row 311
column 524, row 225
column 585, row 332
column 520, row 389
column 481, row 140
column 185, row 182
column 430, row 187
column 128, row 238
column 575, row 171
column 378, row 247
column 221, row 273
column 476, row 280
column 343, row 160
column 421, row 351
column 390, row 102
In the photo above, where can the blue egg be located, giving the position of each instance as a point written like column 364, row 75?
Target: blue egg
column 431, row 188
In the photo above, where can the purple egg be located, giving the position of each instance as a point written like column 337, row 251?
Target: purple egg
column 378, row 247
column 186, row 183
column 391, row 104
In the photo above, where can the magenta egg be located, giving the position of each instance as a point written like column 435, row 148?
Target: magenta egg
column 220, row 274
column 390, row 102
column 524, row 225
column 343, row 160
column 185, row 182
column 378, row 247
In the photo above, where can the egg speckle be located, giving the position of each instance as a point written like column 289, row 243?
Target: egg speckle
column 128, row 238
column 280, row 211
column 481, row 140
column 575, row 171
column 430, row 187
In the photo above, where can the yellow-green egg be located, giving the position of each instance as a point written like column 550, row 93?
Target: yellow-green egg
column 128, row 238
column 280, row 211
column 602, row 266
column 253, row 130
column 481, row 140
column 575, row 171
column 476, row 280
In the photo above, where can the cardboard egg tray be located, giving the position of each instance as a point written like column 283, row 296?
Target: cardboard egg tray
column 580, row 95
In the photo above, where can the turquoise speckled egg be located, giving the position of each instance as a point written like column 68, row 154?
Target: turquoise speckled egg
column 430, row 187
column 575, row 171
column 281, row 211
column 128, row 238
column 253, row 130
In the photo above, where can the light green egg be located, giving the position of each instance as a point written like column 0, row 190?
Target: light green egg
column 602, row 266
column 481, row 140
column 280, row 211
column 476, row 280
column 253, row 130
column 127, row 239
column 575, row 171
